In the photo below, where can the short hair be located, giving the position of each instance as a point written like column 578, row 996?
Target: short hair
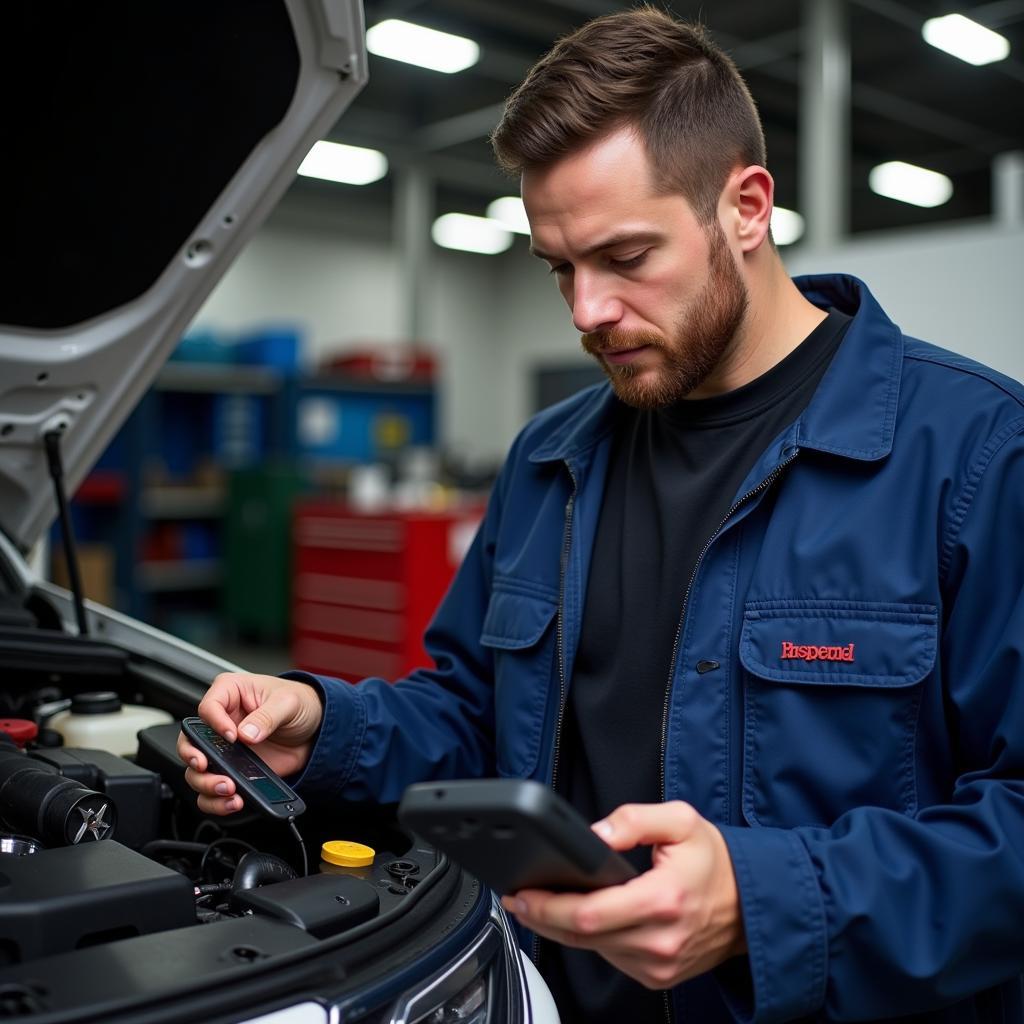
column 641, row 68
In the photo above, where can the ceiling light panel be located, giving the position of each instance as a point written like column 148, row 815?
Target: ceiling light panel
column 910, row 184
column 351, row 165
column 470, row 234
column 787, row 225
column 424, row 47
column 510, row 213
column 966, row 39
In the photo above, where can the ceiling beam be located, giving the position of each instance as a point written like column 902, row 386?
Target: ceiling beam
column 999, row 12
column 943, row 126
column 589, row 8
column 758, row 52
column 476, row 124
column 500, row 14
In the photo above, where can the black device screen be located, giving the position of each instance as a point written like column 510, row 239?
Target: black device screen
column 238, row 759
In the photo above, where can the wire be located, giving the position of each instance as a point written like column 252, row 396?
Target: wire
column 220, row 833
column 302, row 846
column 222, row 842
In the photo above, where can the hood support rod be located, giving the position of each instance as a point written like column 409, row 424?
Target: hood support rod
column 52, row 441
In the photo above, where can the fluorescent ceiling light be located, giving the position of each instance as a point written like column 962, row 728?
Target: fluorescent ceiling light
column 910, row 184
column 471, row 234
column 351, row 165
column 966, row 39
column 787, row 225
column 510, row 213
column 424, row 47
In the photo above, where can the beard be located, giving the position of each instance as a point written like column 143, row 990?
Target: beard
column 703, row 334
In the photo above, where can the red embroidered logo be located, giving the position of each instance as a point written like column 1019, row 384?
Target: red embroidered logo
column 812, row 652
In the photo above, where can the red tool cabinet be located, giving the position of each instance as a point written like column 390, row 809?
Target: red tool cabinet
column 365, row 586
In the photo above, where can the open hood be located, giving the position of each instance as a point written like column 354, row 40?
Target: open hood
column 144, row 143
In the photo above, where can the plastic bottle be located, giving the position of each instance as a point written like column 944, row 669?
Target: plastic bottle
column 101, row 722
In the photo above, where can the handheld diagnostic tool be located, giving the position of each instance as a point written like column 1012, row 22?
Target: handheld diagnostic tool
column 256, row 781
column 512, row 834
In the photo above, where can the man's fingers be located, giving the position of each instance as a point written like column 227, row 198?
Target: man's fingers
column 216, row 706
column 209, row 785
column 647, row 824
column 219, row 805
column 190, row 755
column 649, row 898
column 278, row 709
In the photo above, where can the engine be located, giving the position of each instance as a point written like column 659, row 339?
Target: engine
column 97, row 847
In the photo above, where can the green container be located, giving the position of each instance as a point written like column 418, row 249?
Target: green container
column 258, row 545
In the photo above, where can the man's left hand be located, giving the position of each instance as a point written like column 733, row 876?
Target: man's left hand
column 671, row 923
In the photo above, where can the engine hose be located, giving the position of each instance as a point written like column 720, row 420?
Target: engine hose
column 256, row 869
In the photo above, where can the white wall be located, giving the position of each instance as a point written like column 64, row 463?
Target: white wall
column 341, row 292
column 494, row 320
column 345, row 292
column 958, row 287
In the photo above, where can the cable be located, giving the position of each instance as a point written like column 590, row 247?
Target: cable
column 302, row 846
column 219, row 842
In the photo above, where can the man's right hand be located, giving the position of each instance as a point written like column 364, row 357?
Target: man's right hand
column 278, row 718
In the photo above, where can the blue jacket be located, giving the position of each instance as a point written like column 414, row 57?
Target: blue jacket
column 861, row 746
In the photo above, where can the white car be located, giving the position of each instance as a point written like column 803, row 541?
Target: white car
column 143, row 145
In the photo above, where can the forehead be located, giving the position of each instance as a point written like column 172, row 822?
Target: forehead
column 606, row 186
column 611, row 170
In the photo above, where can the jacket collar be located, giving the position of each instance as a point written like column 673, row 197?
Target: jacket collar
column 853, row 411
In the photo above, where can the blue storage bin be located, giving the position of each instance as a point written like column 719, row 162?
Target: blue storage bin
column 204, row 346
column 199, row 541
column 277, row 347
column 344, row 426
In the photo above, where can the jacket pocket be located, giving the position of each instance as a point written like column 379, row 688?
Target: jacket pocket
column 519, row 630
column 831, row 697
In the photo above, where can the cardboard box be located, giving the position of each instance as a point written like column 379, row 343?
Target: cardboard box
column 96, row 567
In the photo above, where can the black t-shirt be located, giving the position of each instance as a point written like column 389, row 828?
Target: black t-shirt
column 673, row 476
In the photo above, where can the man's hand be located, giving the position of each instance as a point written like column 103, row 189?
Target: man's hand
column 278, row 718
column 671, row 923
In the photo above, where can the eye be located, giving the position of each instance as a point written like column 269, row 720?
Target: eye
column 629, row 264
column 559, row 269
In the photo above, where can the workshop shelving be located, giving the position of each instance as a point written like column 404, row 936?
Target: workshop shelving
column 160, row 497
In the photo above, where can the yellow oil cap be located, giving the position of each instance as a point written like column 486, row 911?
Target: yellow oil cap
column 347, row 855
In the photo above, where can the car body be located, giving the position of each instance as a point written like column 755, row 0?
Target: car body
column 147, row 144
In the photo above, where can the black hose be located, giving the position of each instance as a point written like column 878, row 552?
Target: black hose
column 157, row 846
column 256, row 869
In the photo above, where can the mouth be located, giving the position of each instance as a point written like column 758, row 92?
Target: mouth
column 621, row 356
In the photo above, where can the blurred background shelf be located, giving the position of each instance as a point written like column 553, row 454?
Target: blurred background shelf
column 187, row 574
column 183, row 502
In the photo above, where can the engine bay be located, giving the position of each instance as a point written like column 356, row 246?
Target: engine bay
column 112, row 881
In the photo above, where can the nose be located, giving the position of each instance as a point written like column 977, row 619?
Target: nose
column 594, row 305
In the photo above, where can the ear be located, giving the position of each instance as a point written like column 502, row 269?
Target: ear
column 746, row 206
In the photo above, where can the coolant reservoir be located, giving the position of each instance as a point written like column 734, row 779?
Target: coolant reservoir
column 101, row 721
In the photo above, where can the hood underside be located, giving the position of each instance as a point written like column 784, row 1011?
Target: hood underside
column 144, row 145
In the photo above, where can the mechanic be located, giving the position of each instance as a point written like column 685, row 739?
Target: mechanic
column 754, row 605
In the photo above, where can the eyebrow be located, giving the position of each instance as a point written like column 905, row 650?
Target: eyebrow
column 608, row 243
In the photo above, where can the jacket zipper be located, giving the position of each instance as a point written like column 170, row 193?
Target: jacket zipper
column 560, row 641
column 762, row 486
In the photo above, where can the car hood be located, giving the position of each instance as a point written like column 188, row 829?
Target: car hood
column 144, row 145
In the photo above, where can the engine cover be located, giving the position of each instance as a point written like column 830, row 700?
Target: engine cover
column 70, row 897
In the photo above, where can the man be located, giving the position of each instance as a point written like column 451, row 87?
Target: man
column 755, row 606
